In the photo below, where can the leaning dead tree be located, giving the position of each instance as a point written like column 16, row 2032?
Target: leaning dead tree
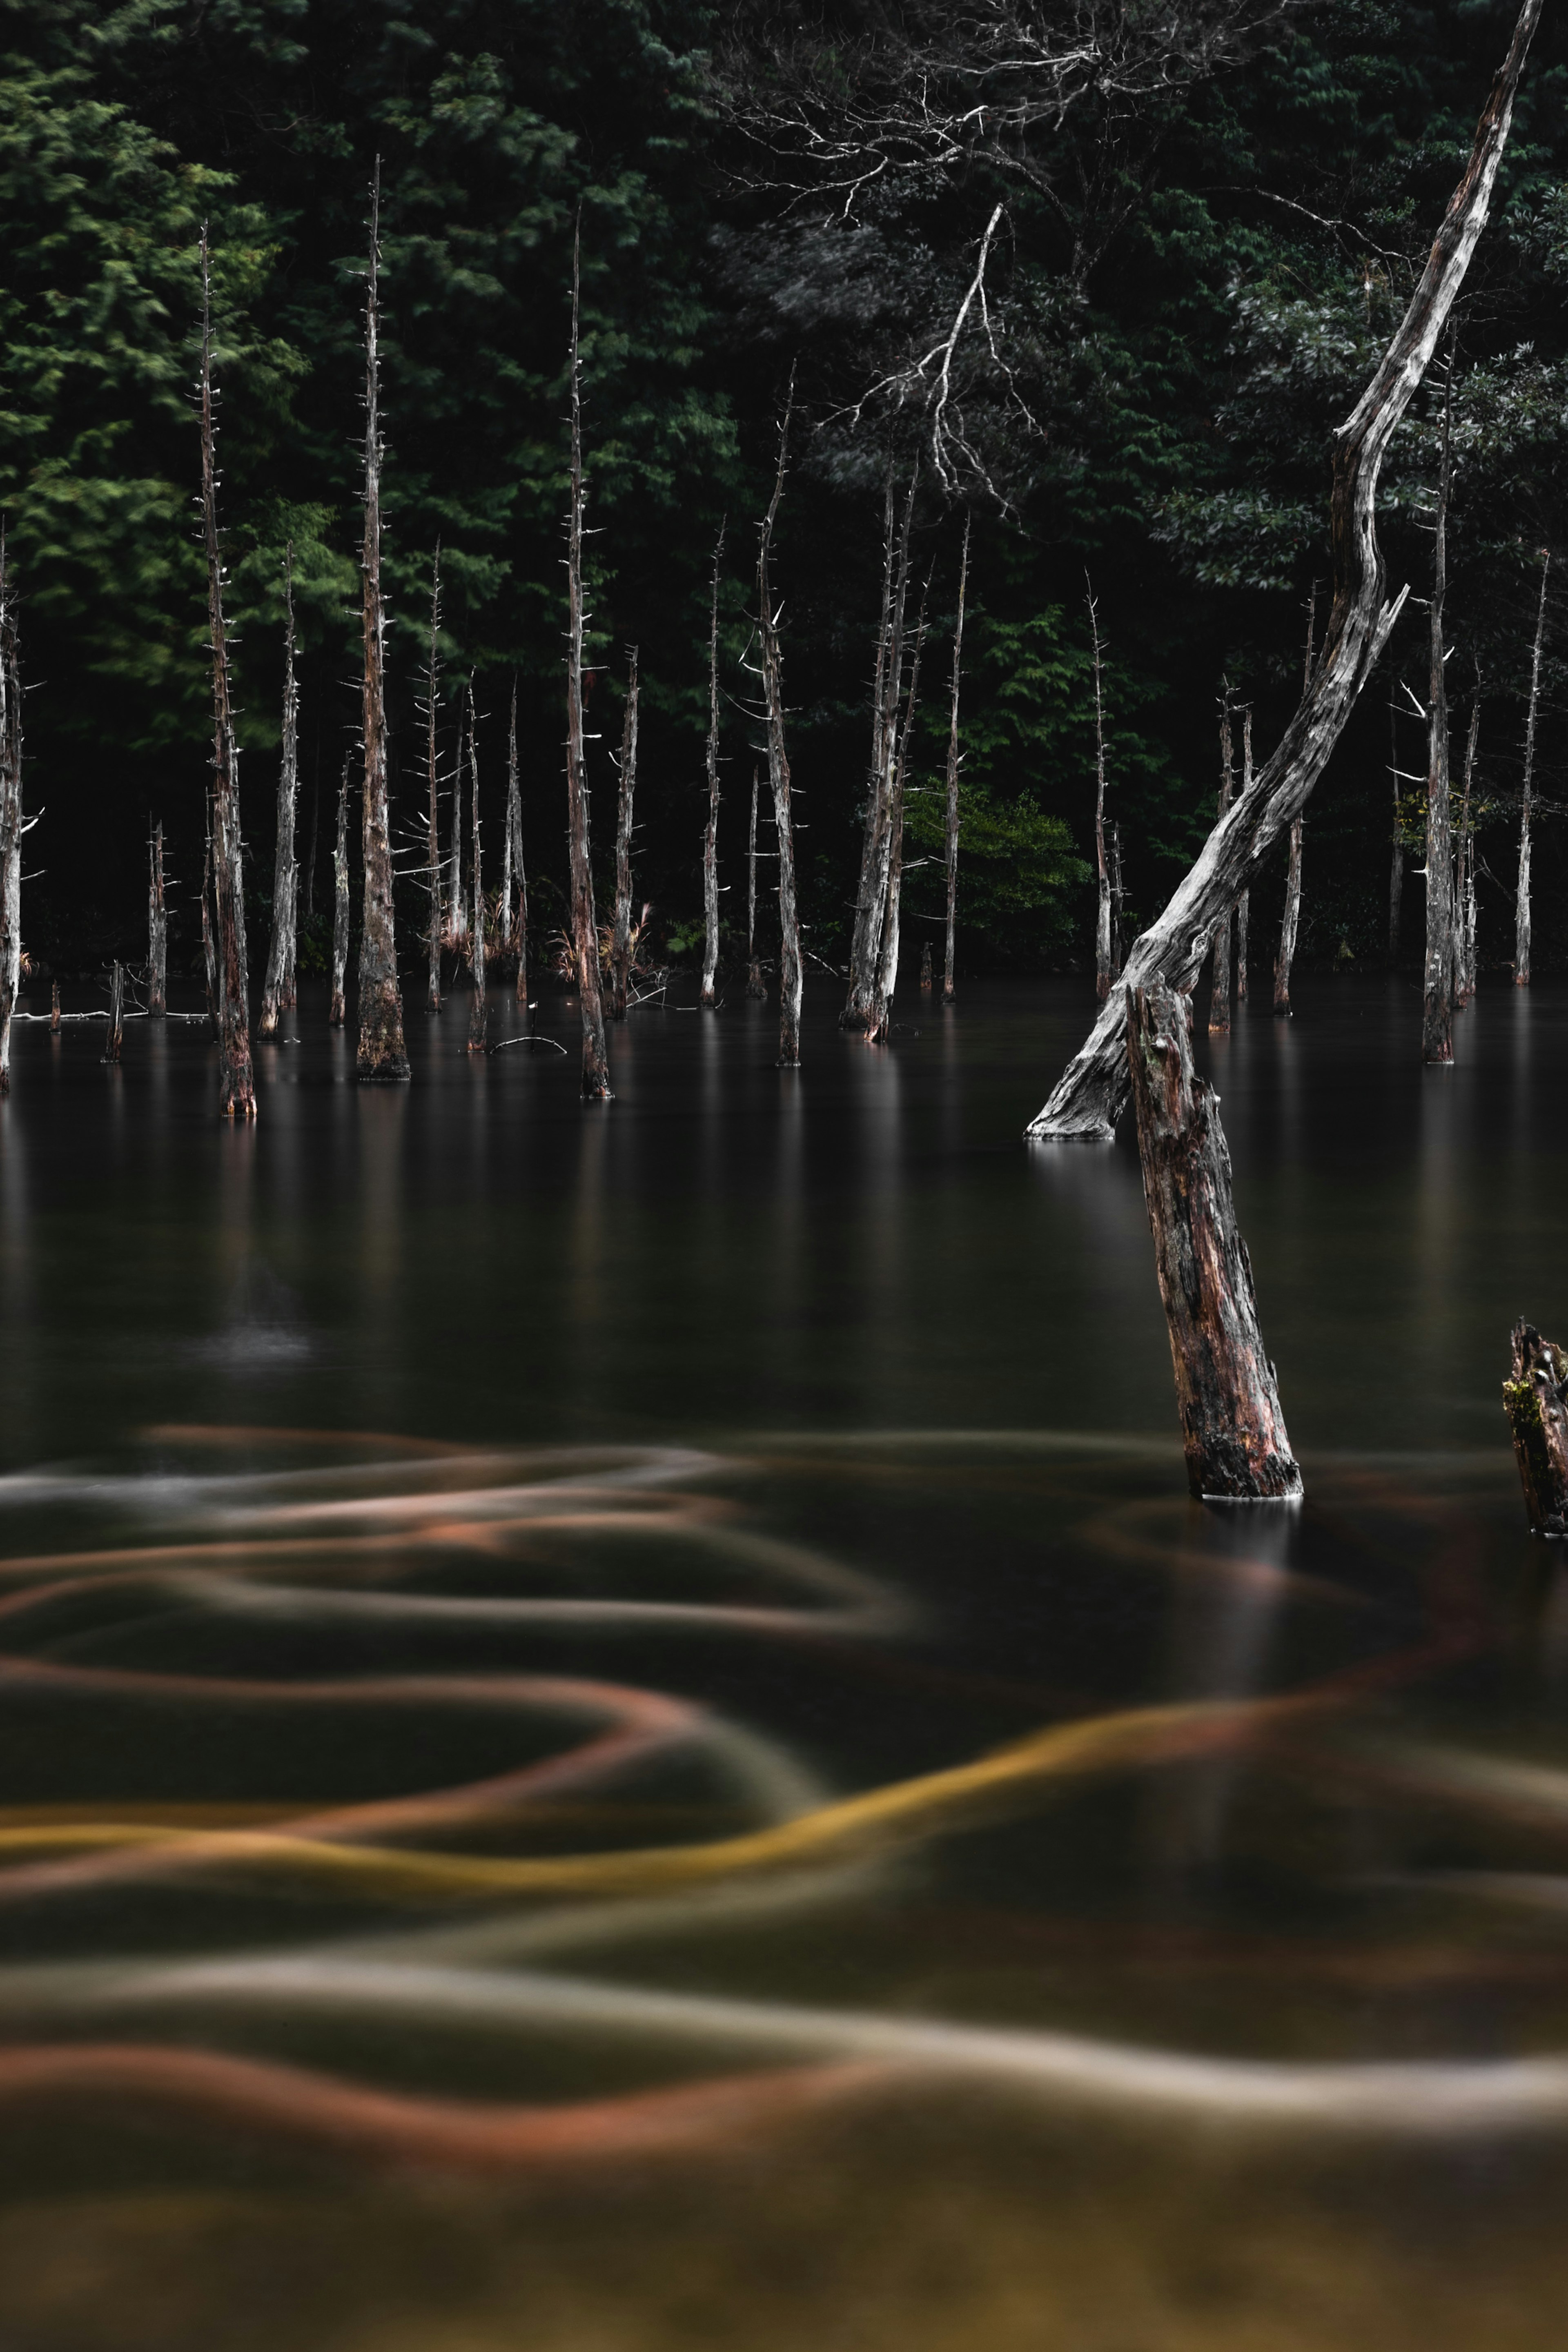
column 516, row 909
column 753, row 967
column 236, row 1097
column 1232, row 1425
column 1534, row 1400
column 710, row 834
column 478, row 1014
column 1438, row 985
column 584, row 924
column 278, row 995
column 340, row 903
column 1219, row 994
column 770, row 661
column 875, row 847
column 627, row 782
column 432, row 779
column 382, row 1055
column 1521, row 893
column 1103, row 972
column 157, row 929
column 11, row 820
column 953, row 768
column 1093, row 1088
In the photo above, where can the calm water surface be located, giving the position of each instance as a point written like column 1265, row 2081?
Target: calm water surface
column 616, row 1734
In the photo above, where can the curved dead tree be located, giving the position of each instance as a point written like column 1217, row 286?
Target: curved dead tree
column 1093, row 1089
column 585, row 923
column 621, row 930
column 278, row 992
column 772, row 664
column 382, row 1055
column 11, row 821
column 237, row 1095
column 711, row 835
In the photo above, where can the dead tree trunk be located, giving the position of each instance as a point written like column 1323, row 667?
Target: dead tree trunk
column 1466, row 957
column 341, row 904
column 882, row 1014
column 1093, row 1088
column 871, row 897
column 518, row 870
column 1219, row 994
column 928, row 972
column 1533, row 1398
column 772, row 659
column 11, row 821
column 710, row 837
column 277, row 994
column 382, row 1054
column 157, row 929
column 754, row 968
column 621, row 936
column 1521, row 895
column 456, row 913
column 1284, row 961
column 209, row 944
column 432, row 781
column 1118, row 897
column 1102, row 971
column 236, row 1099
column 116, row 1013
column 585, row 923
column 478, row 1014
column 1438, row 999
column 1244, row 903
column 953, row 766
column 513, row 827
column 54, row 1008
column 1232, row 1424
column 1396, row 868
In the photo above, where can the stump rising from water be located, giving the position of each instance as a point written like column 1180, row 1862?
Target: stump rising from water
column 1534, row 1400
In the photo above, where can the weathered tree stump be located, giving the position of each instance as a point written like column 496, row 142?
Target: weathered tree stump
column 1232, row 1424
column 1533, row 1400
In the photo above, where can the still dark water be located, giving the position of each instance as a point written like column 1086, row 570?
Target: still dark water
column 616, row 1734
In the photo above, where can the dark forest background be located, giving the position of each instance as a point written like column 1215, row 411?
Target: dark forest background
column 1185, row 294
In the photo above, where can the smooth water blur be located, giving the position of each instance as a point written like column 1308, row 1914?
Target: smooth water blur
column 616, row 1730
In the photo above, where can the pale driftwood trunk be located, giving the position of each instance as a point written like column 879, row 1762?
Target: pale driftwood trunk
column 519, row 868
column 1466, row 987
column 433, row 790
column 771, row 658
column 875, row 847
column 710, row 834
column 1219, row 994
column 1438, row 985
column 116, row 1013
column 1103, row 975
column 753, row 966
column 948, row 976
column 621, row 933
column 236, row 1097
column 479, row 1013
column 1533, row 1398
column 880, row 1019
column 11, row 820
column 382, row 1055
column 277, row 994
column 1093, row 1088
column 1396, row 867
column 1521, row 892
column 157, row 929
column 341, row 907
column 1244, row 903
column 584, row 922
column 1232, row 1424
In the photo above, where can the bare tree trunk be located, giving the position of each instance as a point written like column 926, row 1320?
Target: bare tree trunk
column 1093, row 1088
column 520, row 871
column 432, row 780
column 1232, row 1424
column 948, row 981
column 584, row 922
column 10, row 818
column 209, row 945
column 157, row 929
column 1244, row 903
column 478, row 1015
column 1467, row 953
column 772, row 658
column 710, row 837
column 1437, row 1004
column 382, row 1054
column 1396, row 867
column 621, row 935
column 1219, row 994
column 116, row 1013
column 871, row 899
column 1118, row 899
column 1533, row 1400
column 236, row 1099
column 277, row 994
column 928, row 972
column 54, row 1008
column 341, row 905
column 513, row 827
column 754, row 968
column 1285, row 960
column 1521, row 895
column 456, row 912
column 1102, row 971
column 882, row 1014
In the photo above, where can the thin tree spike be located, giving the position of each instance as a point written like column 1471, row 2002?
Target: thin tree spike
column 876, row 848
column 1438, row 983
column 381, row 1057
column 335, row 1013
column 432, row 779
column 710, row 832
column 1521, row 889
column 157, row 929
column 951, row 844
column 791, row 972
column 585, row 923
column 278, row 995
column 12, row 824
column 621, row 930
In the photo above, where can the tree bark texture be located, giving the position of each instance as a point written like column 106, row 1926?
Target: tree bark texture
column 157, row 929
column 516, row 871
column 711, row 835
column 1533, row 1398
column 1521, row 891
column 340, row 906
column 382, row 1054
column 11, row 821
column 236, row 1097
column 1103, row 975
column 432, row 784
column 584, row 922
column 880, row 1016
column 790, row 977
column 948, row 979
column 753, row 967
column 1286, row 958
column 875, row 847
column 1093, row 1088
column 456, row 914
column 1465, row 956
column 621, row 935
column 1396, row 867
column 209, row 943
column 1244, row 903
column 478, row 1012
column 277, row 994
column 1438, row 985
column 1232, row 1424
column 1118, row 897
column 1219, row 994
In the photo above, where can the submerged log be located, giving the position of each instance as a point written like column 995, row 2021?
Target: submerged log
column 1232, row 1424
column 1533, row 1400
